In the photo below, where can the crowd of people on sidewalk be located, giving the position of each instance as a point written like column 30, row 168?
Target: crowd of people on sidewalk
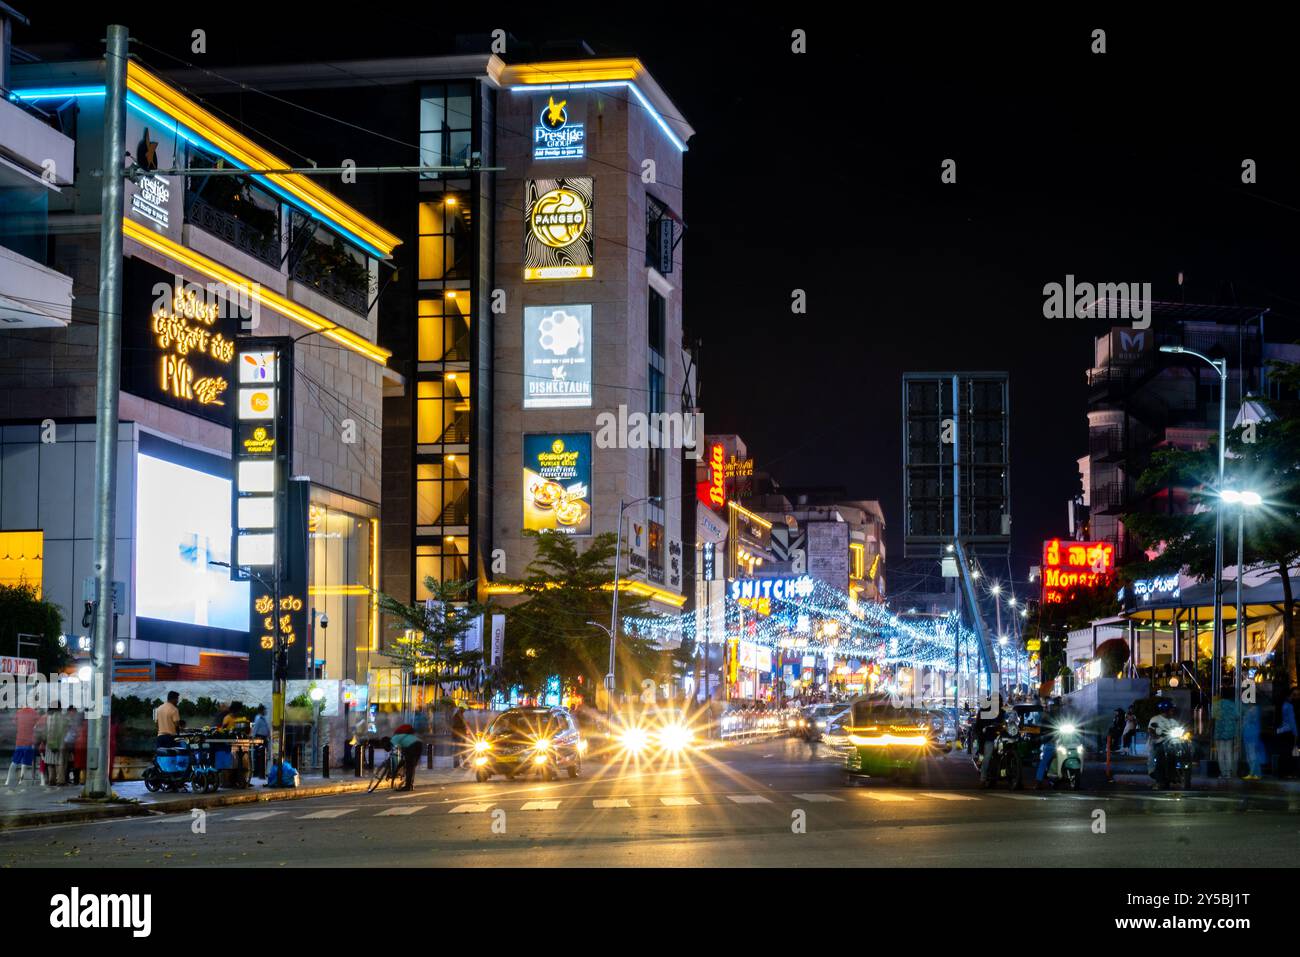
column 50, row 747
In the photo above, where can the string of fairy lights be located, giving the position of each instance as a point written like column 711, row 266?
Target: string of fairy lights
column 825, row 621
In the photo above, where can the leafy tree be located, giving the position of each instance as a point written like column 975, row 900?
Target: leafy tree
column 1265, row 459
column 24, row 612
column 549, row 632
column 431, row 642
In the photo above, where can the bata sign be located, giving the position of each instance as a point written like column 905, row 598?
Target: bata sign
column 1069, row 567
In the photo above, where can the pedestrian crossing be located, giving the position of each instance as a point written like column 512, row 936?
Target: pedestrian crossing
column 860, row 797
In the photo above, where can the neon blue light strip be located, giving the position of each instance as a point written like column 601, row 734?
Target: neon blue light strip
column 606, row 84
column 55, row 94
column 147, row 110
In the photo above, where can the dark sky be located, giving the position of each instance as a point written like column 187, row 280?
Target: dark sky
column 821, row 172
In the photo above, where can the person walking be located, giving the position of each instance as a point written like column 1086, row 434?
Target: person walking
column 409, row 746
column 56, row 751
column 1252, row 740
column 1286, row 736
column 1129, row 741
column 1225, row 716
column 260, row 732
column 24, row 756
column 75, row 720
column 459, row 736
column 167, row 717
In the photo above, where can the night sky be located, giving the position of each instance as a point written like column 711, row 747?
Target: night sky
column 821, row 172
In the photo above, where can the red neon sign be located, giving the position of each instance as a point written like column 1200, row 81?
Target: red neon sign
column 1071, row 566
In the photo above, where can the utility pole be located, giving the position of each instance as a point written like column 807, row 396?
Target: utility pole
column 97, row 784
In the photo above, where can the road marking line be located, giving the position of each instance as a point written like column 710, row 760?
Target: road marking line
column 539, row 805
column 678, row 801
column 256, row 815
column 1018, row 797
column 815, row 798
column 886, row 796
column 470, row 808
column 610, row 802
column 331, row 813
column 748, row 799
column 401, row 809
column 949, row 797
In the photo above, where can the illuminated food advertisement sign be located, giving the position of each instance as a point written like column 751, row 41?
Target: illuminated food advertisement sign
column 559, row 132
column 1070, row 567
column 557, row 483
column 179, row 342
column 557, row 357
column 559, row 229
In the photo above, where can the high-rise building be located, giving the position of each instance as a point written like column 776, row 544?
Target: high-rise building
column 535, row 309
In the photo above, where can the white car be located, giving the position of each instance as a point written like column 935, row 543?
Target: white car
column 836, row 734
column 823, row 715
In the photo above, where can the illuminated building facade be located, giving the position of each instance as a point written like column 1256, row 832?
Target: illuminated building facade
column 536, row 313
column 206, row 257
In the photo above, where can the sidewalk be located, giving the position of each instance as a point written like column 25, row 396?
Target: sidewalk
column 1132, row 772
column 32, row 805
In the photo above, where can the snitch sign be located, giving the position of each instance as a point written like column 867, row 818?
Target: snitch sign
column 559, row 218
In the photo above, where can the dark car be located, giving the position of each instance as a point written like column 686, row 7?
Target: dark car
column 530, row 739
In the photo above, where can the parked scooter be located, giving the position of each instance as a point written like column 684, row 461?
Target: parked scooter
column 1067, row 763
column 189, row 762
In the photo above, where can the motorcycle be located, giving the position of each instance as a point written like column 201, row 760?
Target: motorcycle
column 1175, row 756
column 1067, row 763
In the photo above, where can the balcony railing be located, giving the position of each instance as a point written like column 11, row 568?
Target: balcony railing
column 223, row 225
column 348, row 294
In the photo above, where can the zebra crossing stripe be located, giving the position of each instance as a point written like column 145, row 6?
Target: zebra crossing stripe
column 886, row 797
column 328, row 813
column 400, row 810
column 678, row 801
column 748, row 799
column 610, row 802
column 470, row 808
column 257, row 815
column 949, row 797
column 540, row 805
column 818, row 798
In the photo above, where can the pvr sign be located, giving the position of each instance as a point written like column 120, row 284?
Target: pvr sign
column 1069, row 567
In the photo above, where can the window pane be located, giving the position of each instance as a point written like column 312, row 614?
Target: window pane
column 432, row 345
column 432, row 113
column 460, row 115
column 459, row 148
column 431, row 257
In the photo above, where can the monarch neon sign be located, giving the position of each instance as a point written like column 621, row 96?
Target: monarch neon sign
column 1069, row 567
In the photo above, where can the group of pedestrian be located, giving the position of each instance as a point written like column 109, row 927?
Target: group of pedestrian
column 1233, row 716
column 49, row 745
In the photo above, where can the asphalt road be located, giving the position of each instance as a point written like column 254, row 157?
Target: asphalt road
column 768, row 804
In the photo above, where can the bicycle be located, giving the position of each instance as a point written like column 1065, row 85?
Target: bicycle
column 392, row 769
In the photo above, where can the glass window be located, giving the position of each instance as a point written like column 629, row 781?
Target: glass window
column 444, row 327
column 340, row 553
column 442, row 491
column 446, row 126
column 658, row 319
column 655, row 544
column 442, row 409
column 443, row 560
column 446, row 238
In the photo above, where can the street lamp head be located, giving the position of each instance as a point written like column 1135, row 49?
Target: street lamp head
column 1230, row 495
column 1173, row 349
column 1251, row 498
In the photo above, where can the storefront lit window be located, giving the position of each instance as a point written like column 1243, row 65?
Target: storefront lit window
column 340, row 557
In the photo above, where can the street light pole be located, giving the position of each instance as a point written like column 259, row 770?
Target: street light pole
column 98, row 772
column 1221, row 367
column 613, row 615
column 1242, row 500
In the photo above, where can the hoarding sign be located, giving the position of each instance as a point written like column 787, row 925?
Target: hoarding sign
column 559, row 131
column 1069, row 567
column 498, row 639
column 557, row 483
column 828, row 553
column 17, row 666
column 178, row 342
column 557, row 357
column 290, row 614
column 260, row 450
column 559, row 229
column 1162, row 588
